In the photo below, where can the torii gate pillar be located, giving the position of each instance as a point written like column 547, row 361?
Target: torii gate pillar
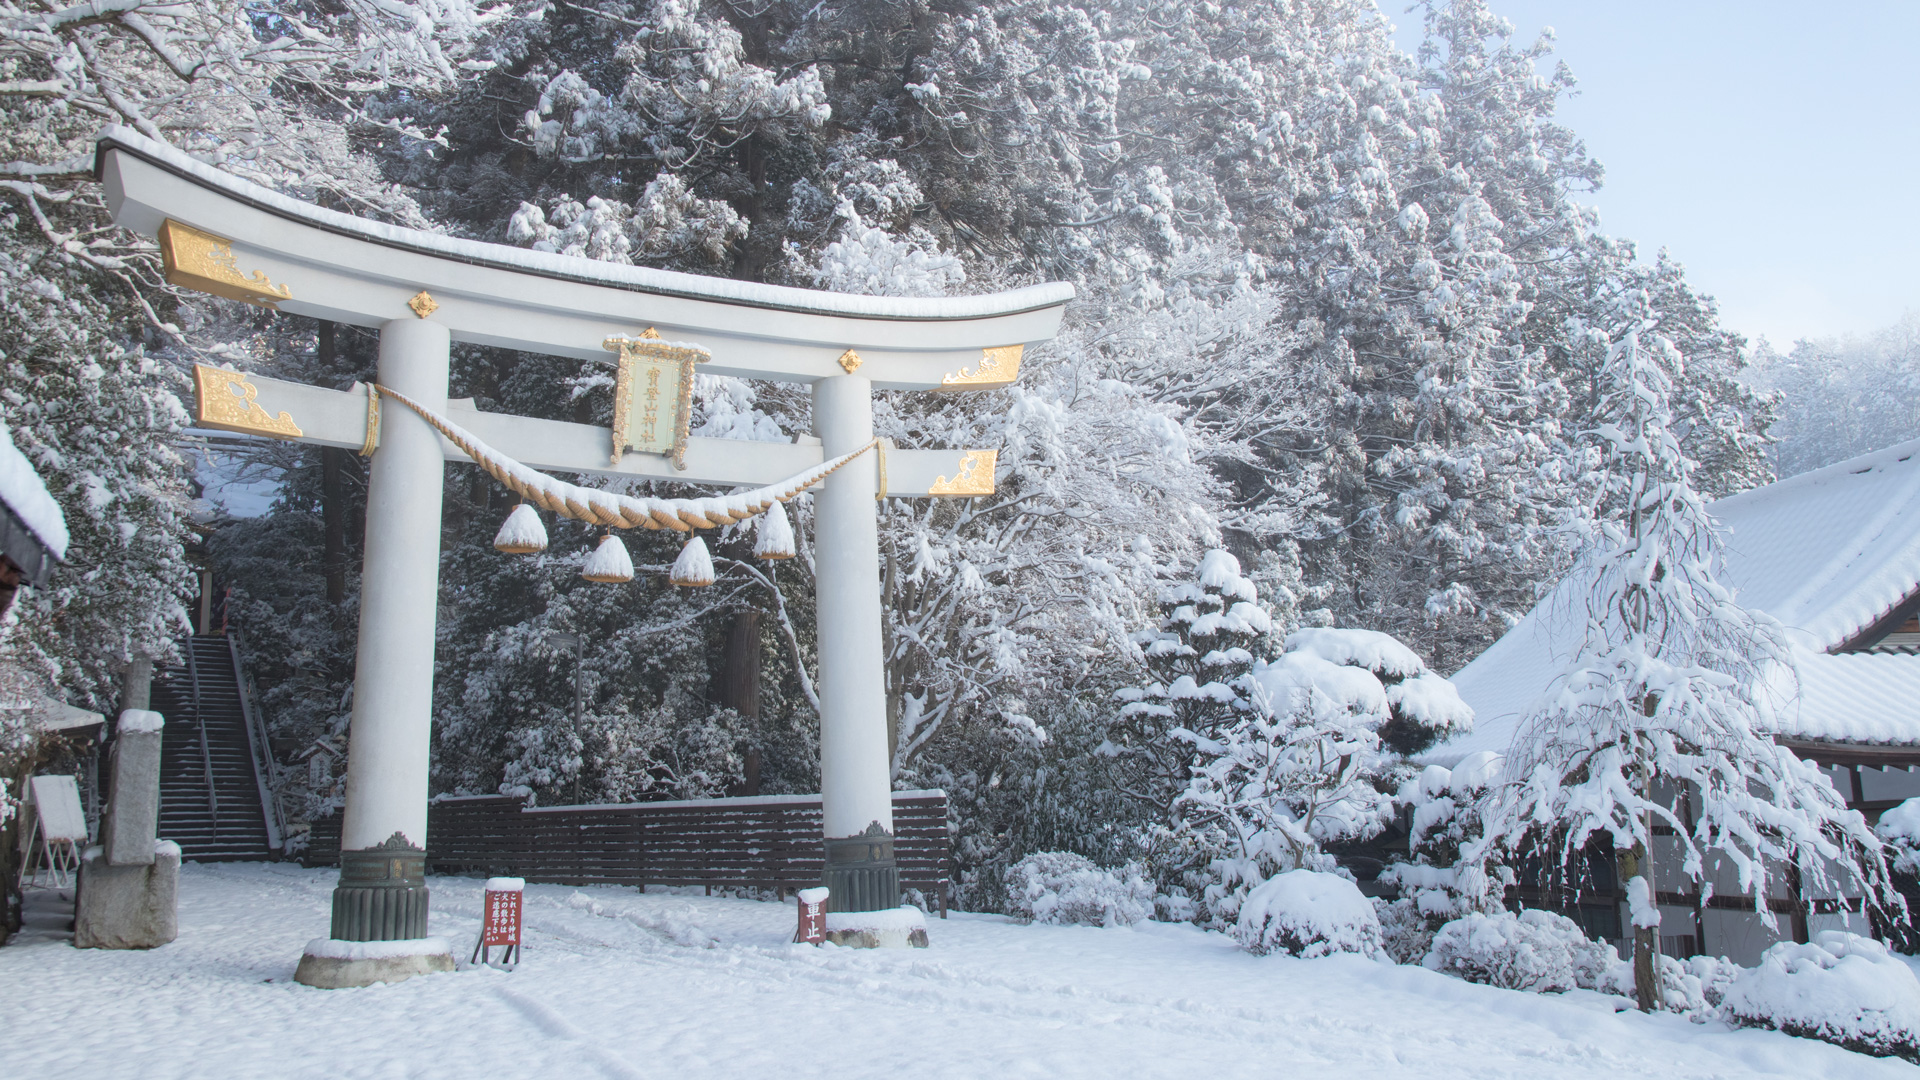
column 855, row 775
column 382, row 895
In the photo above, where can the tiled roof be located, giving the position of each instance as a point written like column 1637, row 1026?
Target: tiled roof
column 1828, row 553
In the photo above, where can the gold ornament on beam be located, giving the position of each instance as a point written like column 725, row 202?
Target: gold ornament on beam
column 850, row 361
column 422, row 304
column 998, row 367
column 204, row 262
column 224, row 400
column 973, row 477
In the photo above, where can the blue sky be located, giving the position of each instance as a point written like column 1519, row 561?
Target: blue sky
column 1773, row 148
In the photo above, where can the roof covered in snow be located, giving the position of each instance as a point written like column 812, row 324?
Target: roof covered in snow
column 577, row 268
column 1830, row 553
column 32, row 506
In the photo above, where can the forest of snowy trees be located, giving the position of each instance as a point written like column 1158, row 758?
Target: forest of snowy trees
column 1343, row 319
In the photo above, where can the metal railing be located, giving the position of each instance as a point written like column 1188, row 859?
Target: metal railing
column 265, row 773
column 200, row 721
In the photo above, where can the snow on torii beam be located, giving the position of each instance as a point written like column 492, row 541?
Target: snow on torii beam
column 306, row 260
column 232, row 238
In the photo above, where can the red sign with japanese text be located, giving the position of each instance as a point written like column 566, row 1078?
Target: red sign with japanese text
column 502, row 925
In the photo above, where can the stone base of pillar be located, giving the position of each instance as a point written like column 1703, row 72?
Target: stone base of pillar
column 898, row 928
column 861, row 874
column 128, row 907
column 341, row 965
column 382, row 895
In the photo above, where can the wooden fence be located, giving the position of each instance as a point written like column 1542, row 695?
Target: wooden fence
column 770, row 841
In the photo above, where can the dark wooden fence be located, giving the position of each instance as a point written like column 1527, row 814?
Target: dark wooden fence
column 770, row 841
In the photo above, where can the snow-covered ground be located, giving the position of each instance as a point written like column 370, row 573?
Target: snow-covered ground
column 620, row 984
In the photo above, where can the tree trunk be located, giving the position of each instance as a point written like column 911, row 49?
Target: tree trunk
column 1637, row 862
column 740, row 677
column 1798, row 902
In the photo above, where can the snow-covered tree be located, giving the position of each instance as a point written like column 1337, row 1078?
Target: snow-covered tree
column 1660, row 718
column 1840, row 398
column 1309, row 763
column 1211, row 630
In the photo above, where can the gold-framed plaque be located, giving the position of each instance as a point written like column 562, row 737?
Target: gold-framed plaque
column 653, row 395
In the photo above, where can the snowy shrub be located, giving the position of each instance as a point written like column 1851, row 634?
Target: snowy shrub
column 1404, row 932
column 1060, row 887
column 1842, row 988
column 1537, row 951
column 1308, row 913
column 1900, row 828
column 1311, row 759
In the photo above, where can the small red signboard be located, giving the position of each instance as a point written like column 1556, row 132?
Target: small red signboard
column 501, row 922
column 813, row 916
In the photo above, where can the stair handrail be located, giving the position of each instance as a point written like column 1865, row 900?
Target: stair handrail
column 200, row 721
column 260, row 750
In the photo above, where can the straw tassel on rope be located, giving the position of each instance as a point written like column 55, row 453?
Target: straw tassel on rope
column 522, row 533
column 694, row 567
column 609, row 564
column 608, row 509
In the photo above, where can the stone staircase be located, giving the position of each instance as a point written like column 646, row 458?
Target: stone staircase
column 213, row 800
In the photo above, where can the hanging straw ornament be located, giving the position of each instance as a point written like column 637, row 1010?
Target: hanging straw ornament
column 773, row 534
column 522, row 533
column 693, row 567
column 609, row 562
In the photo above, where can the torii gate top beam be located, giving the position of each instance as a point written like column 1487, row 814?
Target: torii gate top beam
column 310, row 261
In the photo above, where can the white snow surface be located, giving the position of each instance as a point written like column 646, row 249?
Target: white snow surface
column 1828, row 553
column 506, row 884
column 1370, row 649
column 900, row 918
column 335, row 949
column 816, row 895
column 140, row 720
column 27, row 496
column 593, row 271
column 674, row 984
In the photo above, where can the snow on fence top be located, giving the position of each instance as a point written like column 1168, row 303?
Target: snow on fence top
column 1830, row 553
column 24, row 493
column 576, row 268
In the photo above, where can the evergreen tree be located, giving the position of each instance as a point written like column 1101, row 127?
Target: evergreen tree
column 1659, row 719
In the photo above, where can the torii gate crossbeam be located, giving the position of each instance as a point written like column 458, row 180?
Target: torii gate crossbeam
column 423, row 291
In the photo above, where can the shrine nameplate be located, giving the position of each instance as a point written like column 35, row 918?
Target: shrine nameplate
column 653, row 396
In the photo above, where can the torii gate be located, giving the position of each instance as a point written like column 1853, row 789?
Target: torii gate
column 228, row 237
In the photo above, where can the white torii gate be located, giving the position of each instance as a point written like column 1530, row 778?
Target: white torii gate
column 225, row 236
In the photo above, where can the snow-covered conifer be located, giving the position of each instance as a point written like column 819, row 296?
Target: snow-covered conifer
column 1308, row 763
column 1660, row 717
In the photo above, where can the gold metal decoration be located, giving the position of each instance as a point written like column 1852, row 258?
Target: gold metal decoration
column 224, row 400
column 372, row 440
column 974, row 477
column 997, row 367
column 197, row 260
column 422, row 304
column 849, row 361
column 653, row 395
